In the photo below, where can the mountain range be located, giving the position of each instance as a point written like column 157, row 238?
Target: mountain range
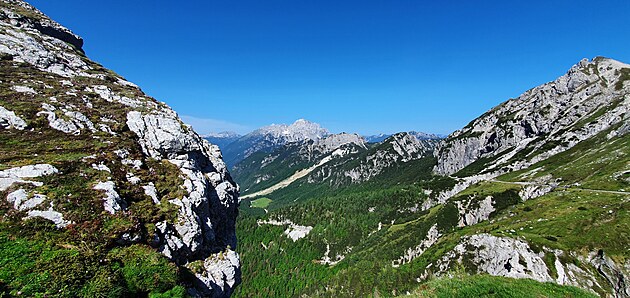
column 535, row 188
column 236, row 148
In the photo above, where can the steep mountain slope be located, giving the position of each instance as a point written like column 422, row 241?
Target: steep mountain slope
column 262, row 170
column 536, row 190
column 222, row 139
column 398, row 149
column 543, row 121
column 268, row 138
column 103, row 190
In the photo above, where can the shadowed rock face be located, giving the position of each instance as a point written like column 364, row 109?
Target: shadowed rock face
column 132, row 139
column 38, row 21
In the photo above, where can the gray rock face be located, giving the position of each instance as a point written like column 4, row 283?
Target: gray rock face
column 587, row 100
column 74, row 122
column 37, row 41
column 27, row 201
column 43, row 24
column 533, row 191
column 504, row 256
column 615, row 276
column 208, row 213
column 112, row 201
column 399, row 148
column 8, row 120
column 469, row 214
column 432, row 237
column 31, row 171
column 92, row 105
column 300, row 130
column 332, row 142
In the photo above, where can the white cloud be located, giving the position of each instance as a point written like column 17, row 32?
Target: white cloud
column 205, row 125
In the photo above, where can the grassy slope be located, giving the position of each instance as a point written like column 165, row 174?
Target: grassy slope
column 260, row 203
column 597, row 163
column 82, row 260
column 494, row 286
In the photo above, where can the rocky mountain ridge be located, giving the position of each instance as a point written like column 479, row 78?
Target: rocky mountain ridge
column 94, row 151
column 268, row 138
column 576, row 106
column 335, row 161
column 398, row 149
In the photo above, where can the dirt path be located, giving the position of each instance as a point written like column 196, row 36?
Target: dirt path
column 572, row 187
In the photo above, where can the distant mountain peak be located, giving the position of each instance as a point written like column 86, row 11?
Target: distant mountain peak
column 300, row 130
column 301, row 121
column 270, row 137
column 222, row 134
column 335, row 141
column 424, row 136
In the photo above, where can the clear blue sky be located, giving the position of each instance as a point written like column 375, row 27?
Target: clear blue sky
column 355, row 66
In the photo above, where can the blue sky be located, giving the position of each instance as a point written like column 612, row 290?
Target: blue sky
column 354, row 66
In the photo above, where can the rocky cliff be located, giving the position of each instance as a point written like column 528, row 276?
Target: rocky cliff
column 110, row 168
column 590, row 98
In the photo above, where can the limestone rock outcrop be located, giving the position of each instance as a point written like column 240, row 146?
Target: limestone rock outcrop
column 588, row 99
column 122, row 147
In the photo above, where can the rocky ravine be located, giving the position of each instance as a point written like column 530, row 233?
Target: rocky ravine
column 115, row 140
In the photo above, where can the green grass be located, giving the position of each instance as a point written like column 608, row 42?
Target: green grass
column 260, row 203
column 145, row 270
column 494, row 286
column 570, row 220
column 597, row 163
column 39, row 268
column 623, row 76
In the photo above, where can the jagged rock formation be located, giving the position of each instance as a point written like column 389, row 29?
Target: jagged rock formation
column 504, row 256
column 336, row 160
column 419, row 135
column 271, row 137
column 128, row 156
column 398, row 149
column 543, row 121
